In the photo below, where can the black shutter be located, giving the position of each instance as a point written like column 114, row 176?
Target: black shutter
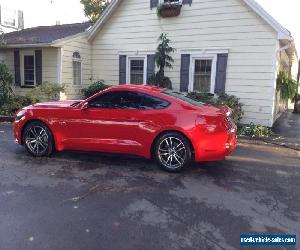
column 20, row 20
column 17, row 68
column 38, row 67
column 187, row 2
column 221, row 74
column 122, row 69
column 150, row 66
column 153, row 3
column 185, row 72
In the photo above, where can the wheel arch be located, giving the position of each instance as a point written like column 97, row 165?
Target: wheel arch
column 37, row 120
column 171, row 131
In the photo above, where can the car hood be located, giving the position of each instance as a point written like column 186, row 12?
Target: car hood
column 57, row 104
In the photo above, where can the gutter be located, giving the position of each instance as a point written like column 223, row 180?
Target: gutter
column 33, row 45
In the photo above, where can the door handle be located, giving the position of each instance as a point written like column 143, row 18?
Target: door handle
column 130, row 118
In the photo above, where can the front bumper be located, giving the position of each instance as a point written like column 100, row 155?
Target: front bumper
column 17, row 131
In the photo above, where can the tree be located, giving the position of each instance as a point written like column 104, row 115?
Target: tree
column 163, row 60
column 94, row 8
column 1, row 37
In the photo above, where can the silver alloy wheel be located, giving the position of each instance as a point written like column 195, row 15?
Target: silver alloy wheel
column 36, row 140
column 172, row 152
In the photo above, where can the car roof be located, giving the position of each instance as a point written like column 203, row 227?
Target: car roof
column 147, row 88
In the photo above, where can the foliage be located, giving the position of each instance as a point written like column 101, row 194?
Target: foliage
column 94, row 8
column 231, row 101
column 287, row 86
column 163, row 60
column 94, row 88
column 6, row 81
column 46, row 91
column 253, row 130
column 15, row 103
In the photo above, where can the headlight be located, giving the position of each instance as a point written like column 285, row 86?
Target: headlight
column 20, row 115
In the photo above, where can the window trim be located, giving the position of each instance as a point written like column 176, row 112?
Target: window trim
column 194, row 57
column 77, row 60
column 22, row 69
column 139, row 57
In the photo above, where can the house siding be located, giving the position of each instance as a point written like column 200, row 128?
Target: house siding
column 222, row 24
column 49, row 69
column 82, row 46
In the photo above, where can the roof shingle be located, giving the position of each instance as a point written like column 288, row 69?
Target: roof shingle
column 45, row 34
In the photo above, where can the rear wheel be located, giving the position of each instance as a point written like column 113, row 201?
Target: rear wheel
column 38, row 139
column 173, row 152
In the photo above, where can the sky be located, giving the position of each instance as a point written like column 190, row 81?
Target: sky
column 46, row 12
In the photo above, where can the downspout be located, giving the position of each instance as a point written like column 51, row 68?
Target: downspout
column 62, row 95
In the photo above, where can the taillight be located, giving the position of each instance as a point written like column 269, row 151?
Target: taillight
column 227, row 123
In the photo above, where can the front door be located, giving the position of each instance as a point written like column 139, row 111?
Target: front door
column 109, row 123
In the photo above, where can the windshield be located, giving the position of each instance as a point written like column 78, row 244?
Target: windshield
column 183, row 97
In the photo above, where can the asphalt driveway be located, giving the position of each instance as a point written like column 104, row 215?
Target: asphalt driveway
column 97, row 201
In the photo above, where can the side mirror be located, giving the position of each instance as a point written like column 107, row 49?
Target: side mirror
column 85, row 106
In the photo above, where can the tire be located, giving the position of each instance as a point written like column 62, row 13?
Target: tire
column 172, row 152
column 38, row 139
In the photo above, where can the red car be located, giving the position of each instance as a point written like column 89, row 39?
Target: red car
column 139, row 120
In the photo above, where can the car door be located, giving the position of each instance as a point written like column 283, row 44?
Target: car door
column 109, row 123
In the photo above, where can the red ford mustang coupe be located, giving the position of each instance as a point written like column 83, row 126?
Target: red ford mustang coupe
column 139, row 120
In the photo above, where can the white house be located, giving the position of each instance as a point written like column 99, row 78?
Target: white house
column 223, row 46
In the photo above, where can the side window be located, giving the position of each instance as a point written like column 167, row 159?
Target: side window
column 151, row 102
column 130, row 100
column 117, row 100
column 106, row 100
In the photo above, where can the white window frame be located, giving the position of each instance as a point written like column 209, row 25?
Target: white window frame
column 139, row 57
column 22, row 71
column 204, row 56
column 77, row 60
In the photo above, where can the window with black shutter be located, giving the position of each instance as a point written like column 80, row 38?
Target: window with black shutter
column 29, row 70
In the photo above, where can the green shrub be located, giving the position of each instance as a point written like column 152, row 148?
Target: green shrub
column 46, row 91
column 15, row 103
column 253, row 130
column 287, row 86
column 6, row 81
column 234, row 103
column 94, row 89
column 231, row 101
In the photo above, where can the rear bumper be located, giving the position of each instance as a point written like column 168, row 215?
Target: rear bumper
column 215, row 147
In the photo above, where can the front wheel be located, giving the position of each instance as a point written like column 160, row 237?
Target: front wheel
column 38, row 139
column 173, row 152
